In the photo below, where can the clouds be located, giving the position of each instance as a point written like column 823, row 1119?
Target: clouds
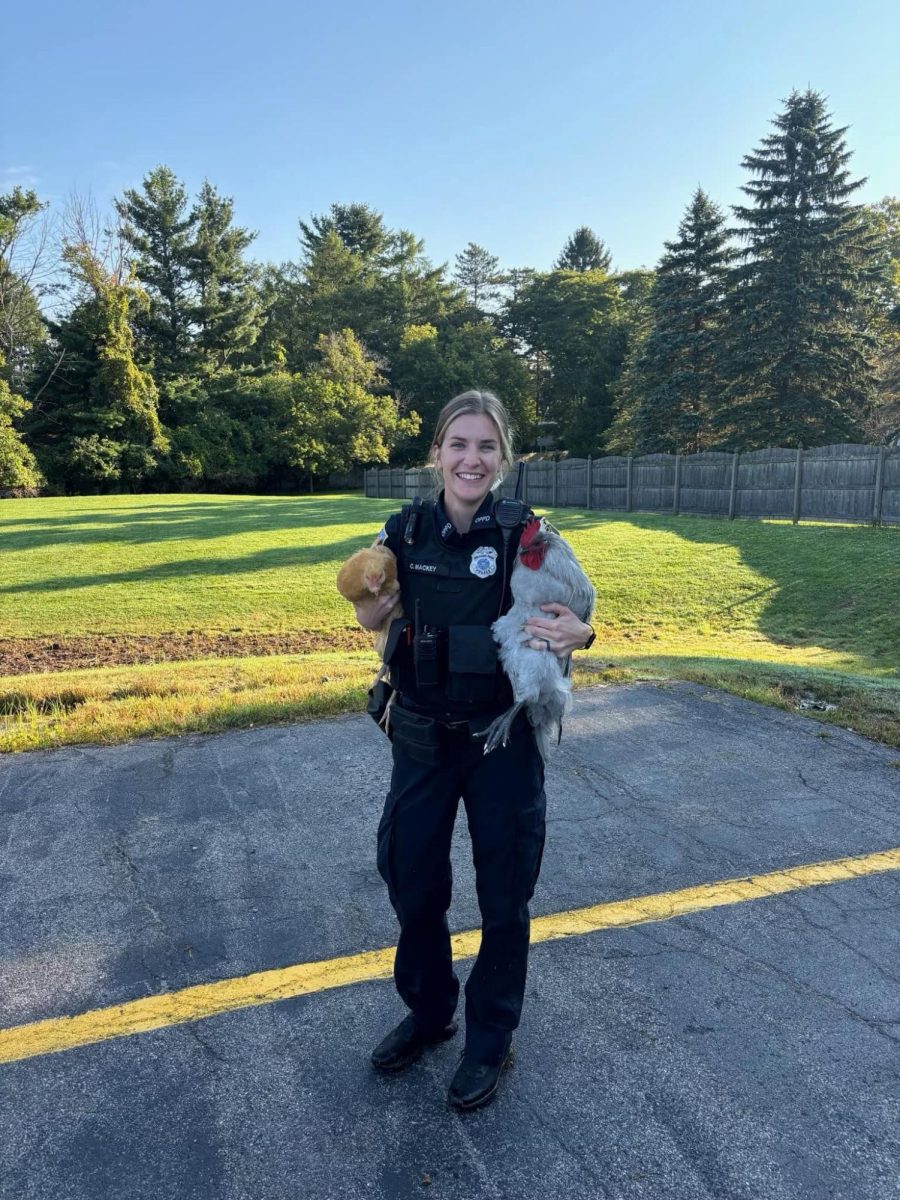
column 11, row 177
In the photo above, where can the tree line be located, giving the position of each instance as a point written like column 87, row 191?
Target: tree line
column 150, row 352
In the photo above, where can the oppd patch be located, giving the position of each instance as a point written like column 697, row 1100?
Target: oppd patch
column 484, row 562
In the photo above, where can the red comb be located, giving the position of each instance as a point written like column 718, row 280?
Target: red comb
column 530, row 532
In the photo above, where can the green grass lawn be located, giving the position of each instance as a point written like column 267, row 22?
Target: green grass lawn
column 766, row 609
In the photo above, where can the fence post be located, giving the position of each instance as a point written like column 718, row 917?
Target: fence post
column 798, row 477
column 879, row 486
column 629, row 467
column 676, row 490
column 732, row 499
column 525, row 482
column 590, row 481
column 555, row 468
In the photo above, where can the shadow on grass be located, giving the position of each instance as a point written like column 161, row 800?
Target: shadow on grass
column 830, row 586
column 165, row 522
column 263, row 560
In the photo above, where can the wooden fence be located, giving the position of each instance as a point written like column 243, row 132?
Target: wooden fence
column 832, row 483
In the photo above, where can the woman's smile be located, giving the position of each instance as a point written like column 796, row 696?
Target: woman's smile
column 469, row 459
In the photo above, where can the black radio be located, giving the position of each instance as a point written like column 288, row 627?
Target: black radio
column 427, row 653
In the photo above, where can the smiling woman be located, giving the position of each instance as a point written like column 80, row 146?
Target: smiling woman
column 472, row 448
column 453, row 565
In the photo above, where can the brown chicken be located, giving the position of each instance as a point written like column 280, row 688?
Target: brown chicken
column 372, row 572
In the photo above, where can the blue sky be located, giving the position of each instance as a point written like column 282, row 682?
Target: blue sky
column 504, row 123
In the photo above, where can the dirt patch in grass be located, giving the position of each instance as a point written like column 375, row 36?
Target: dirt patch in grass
column 24, row 656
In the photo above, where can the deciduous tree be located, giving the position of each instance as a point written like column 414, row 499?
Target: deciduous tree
column 95, row 425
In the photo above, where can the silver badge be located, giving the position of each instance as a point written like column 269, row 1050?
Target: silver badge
column 484, row 562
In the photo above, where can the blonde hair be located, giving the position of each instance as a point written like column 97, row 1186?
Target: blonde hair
column 484, row 404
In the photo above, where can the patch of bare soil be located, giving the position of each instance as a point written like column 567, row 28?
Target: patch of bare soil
column 22, row 656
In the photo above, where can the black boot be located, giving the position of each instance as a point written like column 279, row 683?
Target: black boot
column 475, row 1083
column 404, row 1044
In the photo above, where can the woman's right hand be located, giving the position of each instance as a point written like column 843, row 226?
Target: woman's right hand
column 372, row 612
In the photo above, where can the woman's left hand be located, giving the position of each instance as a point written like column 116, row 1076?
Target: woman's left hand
column 562, row 634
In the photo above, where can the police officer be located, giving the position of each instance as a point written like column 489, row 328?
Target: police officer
column 454, row 563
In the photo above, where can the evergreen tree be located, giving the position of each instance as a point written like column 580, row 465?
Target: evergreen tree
column 798, row 361
column 478, row 273
column 409, row 290
column 361, row 230
column 358, row 275
column 584, row 252
column 335, row 289
column 673, row 381
column 161, row 230
column 226, row 308
column 95, row 424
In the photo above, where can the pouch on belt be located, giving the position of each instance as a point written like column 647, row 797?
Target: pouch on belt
column 417, row 736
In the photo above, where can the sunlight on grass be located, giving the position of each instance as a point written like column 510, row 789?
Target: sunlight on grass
column 749, row 606
column 116, row 704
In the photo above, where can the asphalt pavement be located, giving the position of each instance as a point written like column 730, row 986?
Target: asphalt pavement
column 750, row 1050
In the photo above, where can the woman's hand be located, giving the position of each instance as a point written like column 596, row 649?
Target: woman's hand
column 372, row 612
column 562, row 634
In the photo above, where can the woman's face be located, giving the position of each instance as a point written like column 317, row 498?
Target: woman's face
column 469, row 458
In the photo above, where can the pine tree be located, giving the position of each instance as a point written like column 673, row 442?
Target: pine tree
column 358, row 275
column 161, row 229
column 584, row 252
column 673, row 382
column 798, row 355
column 478, row 272
column 360, row 228
column 226, row 306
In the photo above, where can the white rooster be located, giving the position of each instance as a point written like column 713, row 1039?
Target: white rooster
column 546, row 571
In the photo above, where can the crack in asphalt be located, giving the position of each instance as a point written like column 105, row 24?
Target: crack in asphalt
column 190, row 1028
column 584, row 1163
column 469, row 1147
column 800, row 986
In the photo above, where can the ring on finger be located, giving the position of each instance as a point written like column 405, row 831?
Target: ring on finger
column 547, row 643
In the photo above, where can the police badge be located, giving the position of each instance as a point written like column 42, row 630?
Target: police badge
column 484, row 562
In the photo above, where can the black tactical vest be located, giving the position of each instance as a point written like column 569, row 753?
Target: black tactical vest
column 460, row 593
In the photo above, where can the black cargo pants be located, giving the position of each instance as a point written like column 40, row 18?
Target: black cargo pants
column 503, row 793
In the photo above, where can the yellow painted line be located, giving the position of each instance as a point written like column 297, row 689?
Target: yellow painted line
column 266, row 987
